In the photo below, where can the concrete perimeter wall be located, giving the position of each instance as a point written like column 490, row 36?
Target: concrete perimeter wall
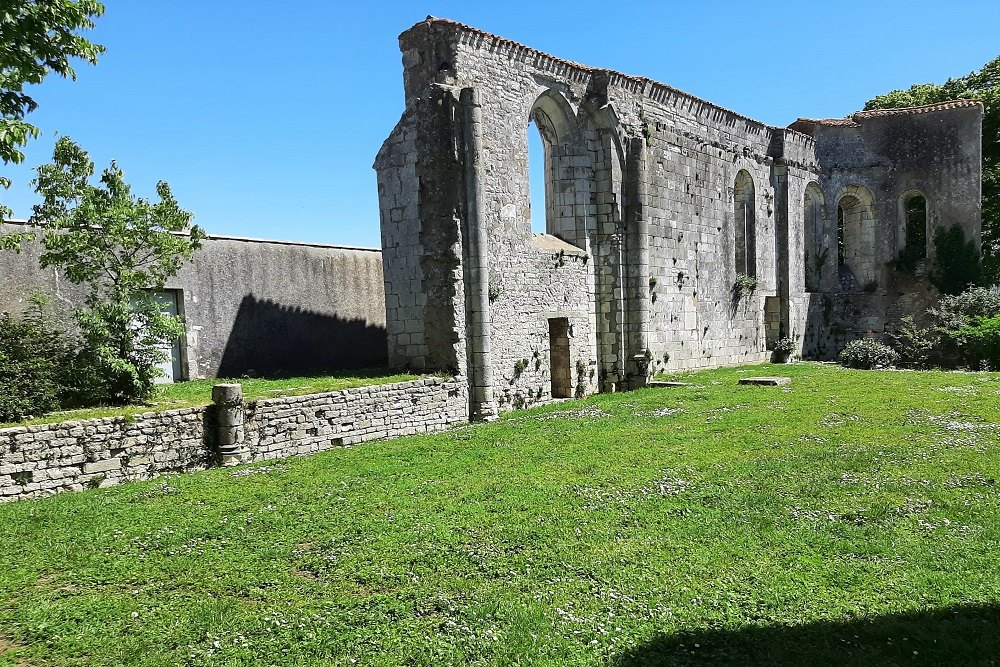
column 251, row 307
column 72, row 456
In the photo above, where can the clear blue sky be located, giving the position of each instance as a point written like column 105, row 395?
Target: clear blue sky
column 265, row 117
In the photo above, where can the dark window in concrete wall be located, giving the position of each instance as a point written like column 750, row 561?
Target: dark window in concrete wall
column 815, row 242
column 745, row 224
column 559, row 358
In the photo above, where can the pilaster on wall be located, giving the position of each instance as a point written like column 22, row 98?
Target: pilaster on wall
column 476, row 262
column 607, row 247
column 637, row 272
column 779, row 181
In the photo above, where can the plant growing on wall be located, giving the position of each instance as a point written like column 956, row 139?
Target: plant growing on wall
column 783, row 350
column 121, row 247
column 819, row 261
column 956, row 261
column 744, row 286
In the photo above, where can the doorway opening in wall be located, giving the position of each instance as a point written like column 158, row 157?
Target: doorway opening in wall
column 559, row 358
column 536, row 178
column 171, row 303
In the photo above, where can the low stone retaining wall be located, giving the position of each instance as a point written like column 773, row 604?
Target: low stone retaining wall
column 72, row 456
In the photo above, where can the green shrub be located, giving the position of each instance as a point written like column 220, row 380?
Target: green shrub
column 783, row 350
column 35, row 361
column 979, row 344
column 867, row 354
column 917, row 346
column 744, row 286
column 955, row 312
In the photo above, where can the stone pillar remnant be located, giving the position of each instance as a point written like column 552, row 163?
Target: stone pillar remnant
column 228, row 399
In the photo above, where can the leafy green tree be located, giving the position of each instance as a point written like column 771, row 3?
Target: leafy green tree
column 123, row 248
column 983, row 85
column 38, row 37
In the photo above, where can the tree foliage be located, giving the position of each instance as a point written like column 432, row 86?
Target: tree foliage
column 983, row 85
column 123, row 248
column 38, row 37
column 957, row 264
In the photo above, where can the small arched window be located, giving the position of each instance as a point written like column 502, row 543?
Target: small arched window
column 745, row 224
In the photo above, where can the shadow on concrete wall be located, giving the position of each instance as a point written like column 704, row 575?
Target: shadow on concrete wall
column 959, row 635
column 272, row 340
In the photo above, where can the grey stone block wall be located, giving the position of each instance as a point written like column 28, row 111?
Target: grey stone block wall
column 73, row 456
column 647, row 183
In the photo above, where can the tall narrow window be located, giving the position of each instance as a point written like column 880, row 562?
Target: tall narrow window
column 537, row 180
column 856, row 238
column 841, row 233
column 915, row 215
column 745, row 224
column 555, row 167
column 814, row 238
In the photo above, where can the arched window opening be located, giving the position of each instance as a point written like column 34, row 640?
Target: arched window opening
column 745, row 225
column 915, row 221
column 856, row 239
column 537, row 180
column 815, row 247
column 848, row 202
column 551, row 181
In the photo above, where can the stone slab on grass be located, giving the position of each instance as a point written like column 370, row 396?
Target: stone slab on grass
column 767, row 381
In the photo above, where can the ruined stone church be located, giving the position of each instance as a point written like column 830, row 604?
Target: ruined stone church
column 679, row 234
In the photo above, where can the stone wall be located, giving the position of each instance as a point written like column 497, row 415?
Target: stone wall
column 663, row 202
column 879, row 158
column 72, row 456
column 250, row 306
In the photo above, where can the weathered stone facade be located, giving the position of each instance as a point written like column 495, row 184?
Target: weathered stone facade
column 677, row 232
column 72, row 456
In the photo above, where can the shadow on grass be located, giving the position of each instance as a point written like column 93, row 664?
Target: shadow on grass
column 960, row 635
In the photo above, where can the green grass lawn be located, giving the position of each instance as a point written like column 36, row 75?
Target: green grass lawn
column 199, row 392
column 850, row 518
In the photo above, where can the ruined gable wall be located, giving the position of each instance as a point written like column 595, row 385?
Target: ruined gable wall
column 531, row 279
column 695, row 150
